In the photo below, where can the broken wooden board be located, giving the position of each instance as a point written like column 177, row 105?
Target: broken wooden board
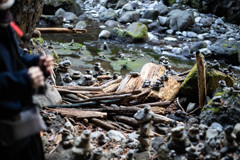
column 152, row 72
column 77, row 113
column 166, row 93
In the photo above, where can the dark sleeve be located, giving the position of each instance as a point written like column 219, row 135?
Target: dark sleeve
column 15, row 85
column 28, row 59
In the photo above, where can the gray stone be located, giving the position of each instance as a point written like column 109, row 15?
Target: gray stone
column 206, row 22
column 143, row 155
column 180, row 20
column 227, row 49
column 129, row 16
column 127, row 7
column 153, row 39
column 81, row 25
column 237, row 131
column 217, row 126
column 69, row 16
column 211, row 133
column 60, row 12
column 191, row 107
column 162, row 20
column 192, row 34
column 115, row 135
column 112, row 23
column 198, row 45
column 108, row 15
column 186, row 51
column 105, row 34
column 150, row 14
column 51, row 97
column 160, row 7
column 219, row 21
column 170, row 39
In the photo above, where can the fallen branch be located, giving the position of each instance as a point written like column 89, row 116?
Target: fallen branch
column 70, row 112
column 61, row 30
column 102, row 124
column 159, row 104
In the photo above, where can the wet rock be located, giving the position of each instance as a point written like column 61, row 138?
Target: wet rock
column 105, row 34
column 170, row 39
column 192, row 34
column 150, row 14
column 153, row 39
column 81, row 25
column 115, row 135
column 226, row 49
column 108, row 15
column 129, row 17
column 88, row 80
column 136, row 32
column 163, row 152
column 102, row 139
column 180, row 20
column 115, row 3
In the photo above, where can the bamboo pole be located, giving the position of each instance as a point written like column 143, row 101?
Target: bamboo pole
column 201, row 74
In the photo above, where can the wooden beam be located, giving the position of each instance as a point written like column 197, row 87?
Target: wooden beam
column 61, row 30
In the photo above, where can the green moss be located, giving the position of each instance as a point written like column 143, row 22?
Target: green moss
column 191, row 76
column 171, row 2
column 190, row 88
column 39, row 40
column 139, row 31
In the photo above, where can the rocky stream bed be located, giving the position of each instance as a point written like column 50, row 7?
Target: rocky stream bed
column 128, row 86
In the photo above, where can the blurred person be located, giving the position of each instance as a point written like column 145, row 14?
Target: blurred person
column 21, row 74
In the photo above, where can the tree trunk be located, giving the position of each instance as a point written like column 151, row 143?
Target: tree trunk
column 26, row 13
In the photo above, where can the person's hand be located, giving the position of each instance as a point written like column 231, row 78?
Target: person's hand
column 36, row 76
column 47, row 63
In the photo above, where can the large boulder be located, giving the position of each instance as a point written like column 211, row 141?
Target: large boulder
column 129, row 17
column 50, row 6
column 228, row 50
column 230, row 9
column 115, row 3
column 227, row 112
column 180, row 20
column 189, row 88
column 51, row 97
column 69, row 16
column 160, row 7
column 108, row 15
column 136, row 32
column 150, row 14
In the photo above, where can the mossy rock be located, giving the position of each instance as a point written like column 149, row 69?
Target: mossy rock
column 189, row 87
column 136, row 32
column 223, row 115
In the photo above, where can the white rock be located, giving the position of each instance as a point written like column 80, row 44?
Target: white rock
column 115, row 135
column 105, row 34
column 197, row 19
column 192, row 34
column 170, row 39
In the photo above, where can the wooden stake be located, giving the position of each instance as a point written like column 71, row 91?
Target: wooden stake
column 201, row 74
